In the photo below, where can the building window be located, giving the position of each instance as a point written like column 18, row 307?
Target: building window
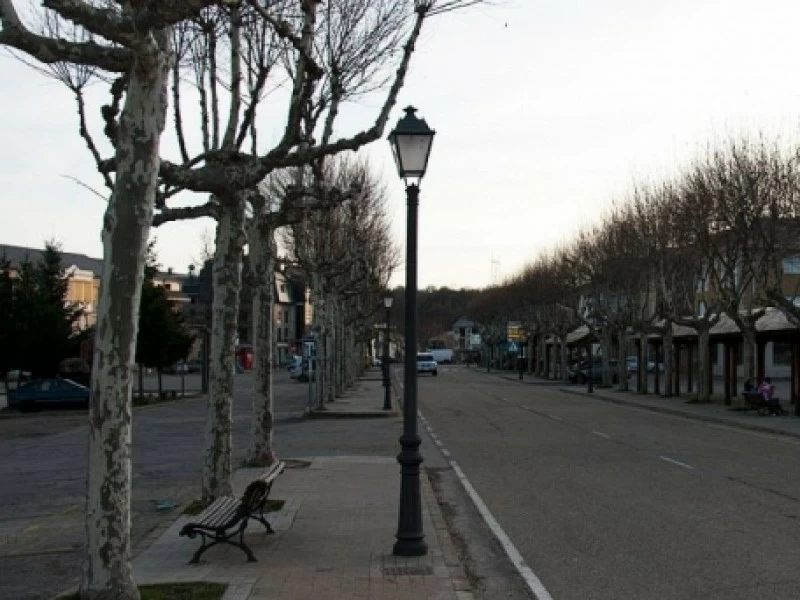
column 791, row 265
column 782, row 354
column 285, row 316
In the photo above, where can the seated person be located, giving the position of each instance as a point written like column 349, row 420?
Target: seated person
column 767, row 391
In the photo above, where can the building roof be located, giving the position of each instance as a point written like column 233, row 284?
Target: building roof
column 18, row 254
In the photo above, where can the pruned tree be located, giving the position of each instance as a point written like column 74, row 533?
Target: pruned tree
column 128, row 41
column 330, row 55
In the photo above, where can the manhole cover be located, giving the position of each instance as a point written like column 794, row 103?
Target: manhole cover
column 400, row 571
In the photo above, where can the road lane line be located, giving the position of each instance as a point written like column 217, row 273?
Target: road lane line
column 602, row 435
column 531, row 580
column 555, row 418
column 529, row 577
column 676, row 462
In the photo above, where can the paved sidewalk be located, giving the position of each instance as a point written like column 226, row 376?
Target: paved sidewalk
column 333, row 536
column 715, row 412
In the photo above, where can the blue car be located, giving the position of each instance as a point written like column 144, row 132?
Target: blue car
column 41, row 393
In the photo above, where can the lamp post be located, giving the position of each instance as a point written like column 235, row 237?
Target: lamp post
column 387, row 381
column 411, row 143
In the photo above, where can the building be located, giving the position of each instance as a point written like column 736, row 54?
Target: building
column 83, row 273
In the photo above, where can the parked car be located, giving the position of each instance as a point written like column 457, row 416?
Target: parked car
column 295, row 370
column 632, row 364
column 651, row 366
column 426, row 364
column 308, row 370
column 55, row 392
column 579, row 373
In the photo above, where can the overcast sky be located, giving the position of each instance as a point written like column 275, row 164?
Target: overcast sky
column 545, row 112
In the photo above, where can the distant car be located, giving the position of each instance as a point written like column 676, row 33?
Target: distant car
column 41, row 393
column 294, row 361
column 295, row 371
column 632, row 364
column 426, row 364
column 651, row 366
column 308, row 370
column 579, row 373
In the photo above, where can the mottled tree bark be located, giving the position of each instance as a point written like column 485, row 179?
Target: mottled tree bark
column 668, row 355
column 227, row 278
column 622, row 360
column 262, row 263
column 126, row 227
column 703, row 363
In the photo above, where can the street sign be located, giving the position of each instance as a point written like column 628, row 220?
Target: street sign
column 512, row 347
column 514, row 331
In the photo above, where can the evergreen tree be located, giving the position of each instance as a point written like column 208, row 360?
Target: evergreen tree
column 7, row 329
column 163, row 338
column 43, row 322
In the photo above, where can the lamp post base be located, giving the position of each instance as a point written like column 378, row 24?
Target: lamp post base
column 410, row 538
column 410, row 547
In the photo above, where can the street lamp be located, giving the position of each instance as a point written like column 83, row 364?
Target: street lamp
column 387, row 382
column 411, row 143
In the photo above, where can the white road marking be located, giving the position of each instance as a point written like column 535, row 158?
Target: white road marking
column 676, row 462
column 602, row 435
column 531, row 580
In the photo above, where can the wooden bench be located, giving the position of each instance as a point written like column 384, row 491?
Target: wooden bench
column 226, row 518
column 757, row 402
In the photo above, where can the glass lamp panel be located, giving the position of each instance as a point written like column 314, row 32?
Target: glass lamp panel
column 412, row 153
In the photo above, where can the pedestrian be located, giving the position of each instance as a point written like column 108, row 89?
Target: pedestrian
column 767, row 391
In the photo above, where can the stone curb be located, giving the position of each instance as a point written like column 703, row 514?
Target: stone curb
column 685, row 414
column 341, row 414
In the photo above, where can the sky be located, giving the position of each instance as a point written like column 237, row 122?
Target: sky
column 546, row 112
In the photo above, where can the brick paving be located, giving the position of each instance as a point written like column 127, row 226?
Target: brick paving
column 333, row 536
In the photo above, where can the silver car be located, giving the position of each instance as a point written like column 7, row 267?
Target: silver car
column 426, row 364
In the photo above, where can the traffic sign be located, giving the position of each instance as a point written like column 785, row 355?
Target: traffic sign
column 512, row 347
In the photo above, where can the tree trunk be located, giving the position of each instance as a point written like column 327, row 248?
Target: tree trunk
column 703, row 366
column 622, row 361
column 643, row 358
column 531, row 346
column 106, row 573
column 605, row 344
column 230, row 240
column 564, row 358
column 262, row 264
column 668, row 355
column 749, row 367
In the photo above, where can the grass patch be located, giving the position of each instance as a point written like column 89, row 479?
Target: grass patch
column 176, row 591
column 195, row 507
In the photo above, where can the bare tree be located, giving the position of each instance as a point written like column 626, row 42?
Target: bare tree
column 129, row 40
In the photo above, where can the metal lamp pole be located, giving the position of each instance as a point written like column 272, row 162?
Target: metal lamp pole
column 411, row 143
column 387, row 380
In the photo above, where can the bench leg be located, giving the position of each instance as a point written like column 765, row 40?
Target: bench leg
column 263, row 520
column 217, row 539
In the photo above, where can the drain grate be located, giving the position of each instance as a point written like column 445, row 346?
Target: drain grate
column 407, row 571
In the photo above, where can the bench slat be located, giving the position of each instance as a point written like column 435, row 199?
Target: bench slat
column 218, row 513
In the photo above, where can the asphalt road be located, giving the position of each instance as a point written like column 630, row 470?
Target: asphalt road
column 605, row 501
column 42, row 474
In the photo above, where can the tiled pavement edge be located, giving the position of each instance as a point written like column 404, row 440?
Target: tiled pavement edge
column 333, row 537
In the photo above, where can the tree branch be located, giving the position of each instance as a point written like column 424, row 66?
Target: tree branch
column 53, row 50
